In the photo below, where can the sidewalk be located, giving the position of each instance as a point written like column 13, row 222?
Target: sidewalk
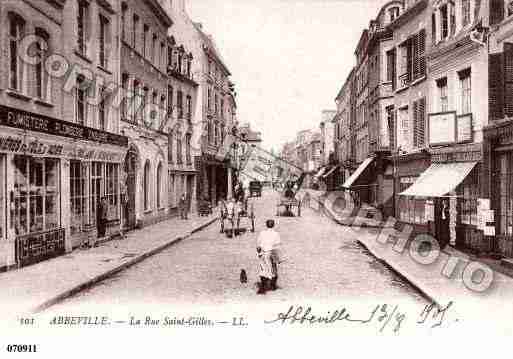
column 36, row 287
column 429, row 279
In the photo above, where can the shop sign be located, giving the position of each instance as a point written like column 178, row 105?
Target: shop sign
column 34, row 248
column 467, row 156
column 31, row 146
column 442, row 128
column 34, row 122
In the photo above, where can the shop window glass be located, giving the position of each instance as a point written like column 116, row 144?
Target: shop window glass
column 36, row 191
column 111, row 191
column 95, row 190
column 78, row 199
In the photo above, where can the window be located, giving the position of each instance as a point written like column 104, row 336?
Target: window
column 209, row 99
column 36, row 194
column 169, row 56
column 42, row 79
column 444, row 22
column 179, row 148
column 189, row 107
column 145, row 101
column 146, row 185
column 82, row 26
column 222, row 108
column 102, row 108
column 145, row 39
column 162, row 110
column 452, row 18
column 16, row 33
column 433, row 28
column 411, row 210
column 394, row 13
column 162, row 56
column 124, row 101
column 80, row 101
column 391, row 126
column 419, row 123
column 111, row 191
column 154, row 49
column 469, row 193
column 391, row 67
column 442, row 94
column 135, row 25
column 159, row 186
column 169, row 100
column 124, row 9
column 180, row 61
column 179, row 103
column 496, row 11
column 104, row 41
column 188, row 158
column 465, row 12
column 466, row 91
column 170, row 146
column 78, row 199
column 215, row 104
column 136, row 99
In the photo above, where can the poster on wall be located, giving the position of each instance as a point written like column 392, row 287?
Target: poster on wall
column 442, row 128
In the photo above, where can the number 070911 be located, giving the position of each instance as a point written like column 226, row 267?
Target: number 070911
column 21, row 348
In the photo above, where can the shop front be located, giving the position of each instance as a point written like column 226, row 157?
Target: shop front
column 498, row 183
column 52, row 177
column 443, row 200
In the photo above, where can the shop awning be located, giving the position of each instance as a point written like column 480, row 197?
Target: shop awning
column 352, row 179
column 330, row 171
column 439, row 179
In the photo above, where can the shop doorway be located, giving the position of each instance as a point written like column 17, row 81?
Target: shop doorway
column 442, row 220
column 131, row 171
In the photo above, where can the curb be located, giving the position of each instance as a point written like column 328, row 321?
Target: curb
column 101, row 277
column 401, row 274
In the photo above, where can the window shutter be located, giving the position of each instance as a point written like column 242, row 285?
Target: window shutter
column 508, row 79
column 496, row 87
column 496, row 11
column 422, row 52
column 415, row 123
column 409, row 59
column 421, row 118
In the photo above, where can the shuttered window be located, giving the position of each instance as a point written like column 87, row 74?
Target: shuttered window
column 496, row 87
column 419, row 122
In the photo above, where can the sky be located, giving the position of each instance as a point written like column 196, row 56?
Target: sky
column 288, row 58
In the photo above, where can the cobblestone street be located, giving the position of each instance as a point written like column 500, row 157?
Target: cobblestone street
column 321, row 264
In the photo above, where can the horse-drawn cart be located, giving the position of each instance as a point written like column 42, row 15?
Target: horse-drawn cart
column 232, row 214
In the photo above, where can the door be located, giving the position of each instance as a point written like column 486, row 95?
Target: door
column 442, row 213
column 131, row 171
column 189, row 190
column 96, row 191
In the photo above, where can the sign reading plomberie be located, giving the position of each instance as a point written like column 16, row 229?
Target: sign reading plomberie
column 20, row 119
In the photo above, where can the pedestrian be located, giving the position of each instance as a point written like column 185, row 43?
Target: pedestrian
column 268, row 243
column 183, row 206
column 101, row 220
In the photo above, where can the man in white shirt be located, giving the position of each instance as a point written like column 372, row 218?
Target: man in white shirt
column 268, row 242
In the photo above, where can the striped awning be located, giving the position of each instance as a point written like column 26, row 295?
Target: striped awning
column 352, row 179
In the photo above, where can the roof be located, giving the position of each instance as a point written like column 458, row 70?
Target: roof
column 210, row 47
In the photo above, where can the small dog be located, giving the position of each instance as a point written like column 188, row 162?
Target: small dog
column 243, row 276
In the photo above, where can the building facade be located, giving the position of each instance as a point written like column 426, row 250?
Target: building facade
column 61, row 149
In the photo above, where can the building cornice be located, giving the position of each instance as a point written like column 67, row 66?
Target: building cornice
column 159, row 11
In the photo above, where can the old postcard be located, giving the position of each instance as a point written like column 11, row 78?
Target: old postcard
column 271, row 177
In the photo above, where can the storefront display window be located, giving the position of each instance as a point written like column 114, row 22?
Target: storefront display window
column 36, row 191
column 469, row 192
column 111, row 191
column 78, row 178
column 505, row 194
column 411, row 209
